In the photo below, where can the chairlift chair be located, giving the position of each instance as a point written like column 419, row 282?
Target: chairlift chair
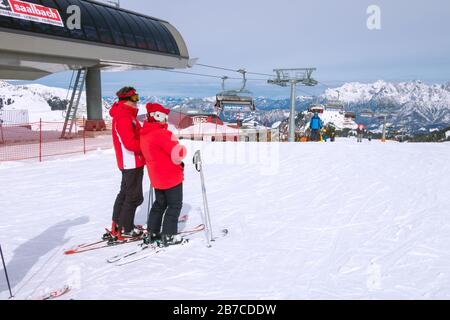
column 319, row 108
column 235, row 100
column 334, row 105
column 366, row 114
column 350, row 115
column 385, row 113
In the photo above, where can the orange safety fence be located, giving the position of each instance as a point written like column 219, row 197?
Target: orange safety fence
column 39, row 140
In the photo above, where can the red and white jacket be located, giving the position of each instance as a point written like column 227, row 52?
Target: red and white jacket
column 163, row 155
column 125, row 133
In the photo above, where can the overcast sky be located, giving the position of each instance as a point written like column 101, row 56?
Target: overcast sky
column 261, row 35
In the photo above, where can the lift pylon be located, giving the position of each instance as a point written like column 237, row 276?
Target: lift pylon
column 302, row 76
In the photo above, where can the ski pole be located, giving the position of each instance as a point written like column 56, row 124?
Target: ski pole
column 6, row 273
column 205, row 201
column 150, row 202
column 197, row 162
column 198, row 166
column 208, row 241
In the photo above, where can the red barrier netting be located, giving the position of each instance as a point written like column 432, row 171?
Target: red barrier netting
column 39, row 140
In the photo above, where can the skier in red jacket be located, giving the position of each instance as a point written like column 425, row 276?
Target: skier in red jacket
column 125, row 134
column 163, row 155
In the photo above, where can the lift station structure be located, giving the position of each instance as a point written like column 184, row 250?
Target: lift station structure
column 39, row 38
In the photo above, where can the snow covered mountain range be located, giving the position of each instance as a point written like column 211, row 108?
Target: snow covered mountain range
column 415, row 106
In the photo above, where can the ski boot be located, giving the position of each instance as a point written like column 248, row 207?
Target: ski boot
column 135, row 233
column 172, row 240
column 151, row 238
column 125, row 236
column 111, row 233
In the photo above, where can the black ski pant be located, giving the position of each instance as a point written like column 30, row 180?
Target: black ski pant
column 129, row 198
column 315, row 135
column 166, row 210
column 360, row 137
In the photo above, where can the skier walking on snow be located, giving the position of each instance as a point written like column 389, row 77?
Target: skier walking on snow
column 163, row 155
column 125, row 134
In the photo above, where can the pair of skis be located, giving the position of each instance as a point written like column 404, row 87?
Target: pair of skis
column 86, row 247
column 52, row 295
column 145, row 251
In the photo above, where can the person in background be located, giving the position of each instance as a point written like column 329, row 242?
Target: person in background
column 163, row 155
column 360, row 132
column 316, row 125
column 325, row 136
column 125, row 134
column 331, row 132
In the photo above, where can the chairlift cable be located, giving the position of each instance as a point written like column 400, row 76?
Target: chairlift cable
column 324, row 85
column 221, row 77
column 208, row 75
column 192, row 74
column 214, row 67
column 232, row 70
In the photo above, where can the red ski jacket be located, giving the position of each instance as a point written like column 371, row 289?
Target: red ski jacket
column 125, row 134
column 163, row 155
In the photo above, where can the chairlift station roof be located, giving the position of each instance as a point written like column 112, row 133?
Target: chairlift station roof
column 36, row 39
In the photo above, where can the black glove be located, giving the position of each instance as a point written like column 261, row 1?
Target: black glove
column 182, row 164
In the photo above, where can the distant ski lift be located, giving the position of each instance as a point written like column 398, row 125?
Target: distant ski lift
column 316, row 108
column 335, row 105
column 367, row 114
column 350, row 115
column 383, row 115
column 238, row 100
column 235, row 103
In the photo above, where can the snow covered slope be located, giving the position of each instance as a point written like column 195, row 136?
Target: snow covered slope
column 341, row 220
column 37, row 99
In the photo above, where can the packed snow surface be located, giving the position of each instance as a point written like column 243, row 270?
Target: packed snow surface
column 310, row 220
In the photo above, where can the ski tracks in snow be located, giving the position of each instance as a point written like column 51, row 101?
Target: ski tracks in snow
column 341, row 220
